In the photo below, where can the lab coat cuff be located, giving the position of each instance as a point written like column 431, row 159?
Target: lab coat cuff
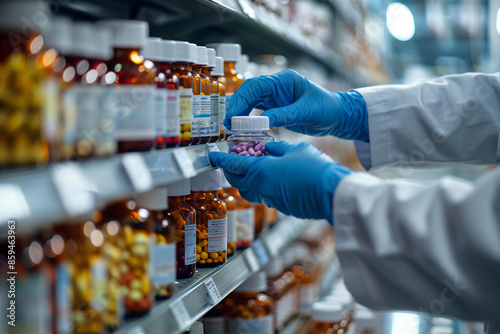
column 347, row 231
column 378, row 124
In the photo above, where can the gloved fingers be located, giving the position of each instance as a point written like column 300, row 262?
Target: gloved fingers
column 292, row 114
column 236, row 181
column 278, row 148
column 234, row 164
column 250, row 196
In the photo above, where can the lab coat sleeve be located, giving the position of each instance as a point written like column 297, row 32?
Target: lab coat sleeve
column 446, row 120
column 432, row 248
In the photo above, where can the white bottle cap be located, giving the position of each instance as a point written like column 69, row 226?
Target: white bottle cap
column 193, row 52
column 218, row 70
column 151, row 50
column 229, row 51
column 33, row 15
column 211, row 57
column 83, row 40
column 168, row 51
column 255, row 283
column 224, row 182
column 180, row 188
column 208, row 181
column 184, row 52
column 155, row 199
column 257, row 123
column 202, row 56
column 102, row 40
column 196, row 328
column 241, row 65
column 327, row 311
column 275, row 267
column 59, row 36
column 127, row 33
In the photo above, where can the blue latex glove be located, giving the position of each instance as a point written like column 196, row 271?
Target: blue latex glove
column 297, row 180
column 292, row 101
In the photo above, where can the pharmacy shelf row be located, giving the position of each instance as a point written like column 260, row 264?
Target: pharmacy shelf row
column 62, row 191
column 195, row 296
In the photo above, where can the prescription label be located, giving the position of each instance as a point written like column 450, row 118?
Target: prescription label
column 217, row 235
column 222, row 111
column 190, row 243
column 162, row 264
column 185, row 96
column 161, row 111
column 214, row 116
column 200, row 123
column 245, row 224
column 263, row 325
column 135, row 112
column 173, row 112
column 231, row 226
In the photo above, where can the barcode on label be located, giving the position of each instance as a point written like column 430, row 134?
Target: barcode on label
column 213, row 292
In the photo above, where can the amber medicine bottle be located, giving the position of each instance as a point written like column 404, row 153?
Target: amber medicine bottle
column 245, row 216
column 277, row 290
column 202, row 105
column 217, row 73
column 214, row 97
column 327, row 317
column 184, row 217
column 211, row 219
column 226, row 196
column 248, row 309
column 135, row 123
column 189, row 85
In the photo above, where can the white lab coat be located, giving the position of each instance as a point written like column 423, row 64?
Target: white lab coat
column 433, row 248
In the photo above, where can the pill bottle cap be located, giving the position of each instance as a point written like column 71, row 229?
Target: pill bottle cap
column 327, row 311
column 275, row 267
column 184, row 52
column 155, row 199
column 340, row 298
column 201, row 55
column 231, row 52
column 83, row 40
column 255, row 283
column 258, row 123
column 208, row 181
column 29, row 15
column 241, row 65
column 151, row 50
column 167, row 50
column 59, row 35
column 127, row 33
column 102, row 42
column 180, row 188
column 196, row 328
column 224, row 182
column 211, row 57
column 218, row 70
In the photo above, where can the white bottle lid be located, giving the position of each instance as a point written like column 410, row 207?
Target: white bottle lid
column 224, row 182
column 241, row 64
column 83, row 40
column 201, row 56
column 211, row 57
column 102, row 40
column 180, row 188
column 186, row 52
column 327, row 311
column 155, row 199
column 196, row 328
column 229, row 51
column 12, row 13
column 151, row 50
column 257, row 123
column 127, row 33
column 255, row 283
column 218, row 70
column 59, row 35
column 167, row 50
column 275, row 267
column 208, row 181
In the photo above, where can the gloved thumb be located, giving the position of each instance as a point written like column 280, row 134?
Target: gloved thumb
column 278, row 148
column 285, row 116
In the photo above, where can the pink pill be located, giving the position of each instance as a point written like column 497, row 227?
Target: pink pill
column 251, row 151
column 258, row 153
column 259, row 147
column 243, row 148
column 263, row 149
column 233, row 148
column 237, row 149
column 250, row 145
column 243, row 153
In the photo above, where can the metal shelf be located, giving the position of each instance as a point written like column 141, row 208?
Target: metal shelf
column 190, row 300
column 67, row 190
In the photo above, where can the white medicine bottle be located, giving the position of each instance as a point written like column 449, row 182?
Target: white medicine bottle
column 250, row 136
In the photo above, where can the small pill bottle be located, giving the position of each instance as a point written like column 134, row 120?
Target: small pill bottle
column 217, row 73
column 277, row 290
column 248, row 309
column 245, row 219
column 250, row 136
column 211, row 219
column 184, row 217
column 307, row 270
column 136, row 241
column 162, row 249
column 214, row 96
column 327, row 317
column 135, row 109
column 226, row 195
column 200, row 124
column 189, row 85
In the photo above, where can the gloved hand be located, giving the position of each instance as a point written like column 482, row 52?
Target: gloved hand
column 292, row 101
column 297, row 180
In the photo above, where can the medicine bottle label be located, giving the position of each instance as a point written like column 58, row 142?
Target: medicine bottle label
column 217, row 235
column 135, row 119
column 173, row 112
column 263, row 325
column 231, row 226
column 222, row 111
column 106, row 120
column 86, row 113
column 62, row 298
column 161, row 111
column 98, row 273
column 214, row 117
column 200, row 124
column 162, row 264
column 190, row 243
column 245, row 224
column 186, row 96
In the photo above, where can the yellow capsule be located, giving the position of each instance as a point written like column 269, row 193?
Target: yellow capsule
column 197, row 257
column 209, row 261
column 204, row 255
column 214, row 256
column 198, row 249
column 203, row 261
